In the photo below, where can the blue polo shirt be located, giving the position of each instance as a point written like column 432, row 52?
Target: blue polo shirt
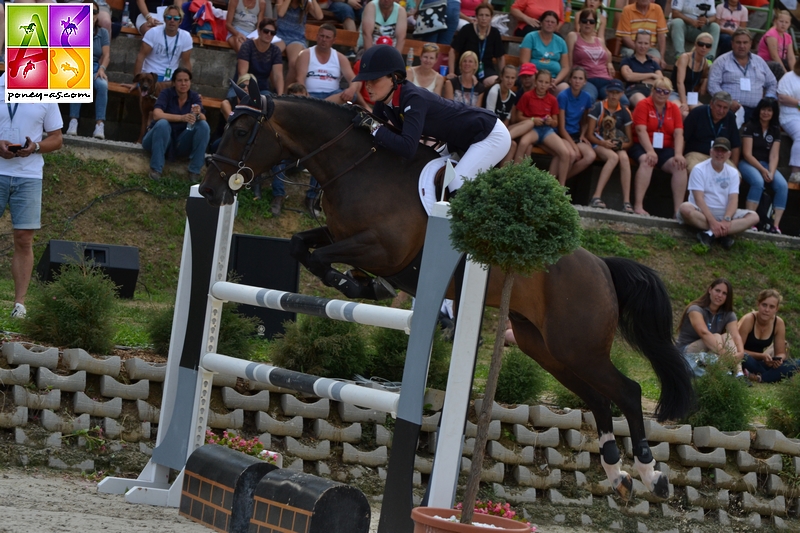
column 574, row 107
column 168, row 103
column 649, row 66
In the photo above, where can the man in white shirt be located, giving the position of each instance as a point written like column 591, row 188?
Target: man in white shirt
column 21, row 148
column 690, row 18
column 165, row 47
column 714, row 197
column 321, row 69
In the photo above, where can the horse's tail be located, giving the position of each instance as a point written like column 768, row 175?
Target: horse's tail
column 645, row 321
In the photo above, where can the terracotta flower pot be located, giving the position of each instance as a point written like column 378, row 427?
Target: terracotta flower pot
column 424, row 522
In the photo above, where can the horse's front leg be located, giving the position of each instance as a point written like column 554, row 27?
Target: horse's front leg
column 302, row 243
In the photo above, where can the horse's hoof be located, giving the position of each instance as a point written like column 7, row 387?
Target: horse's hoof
column 343, row 284
column 661, row 487
column 383, row 290
column 625, row 488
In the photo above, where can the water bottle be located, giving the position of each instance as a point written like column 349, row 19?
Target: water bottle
column 190, row 126
column 409, row 58
column 126, row 16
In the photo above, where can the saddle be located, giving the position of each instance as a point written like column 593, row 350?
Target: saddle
column 438, row 183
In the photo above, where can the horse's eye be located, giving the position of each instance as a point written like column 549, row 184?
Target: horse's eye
column 241, row 133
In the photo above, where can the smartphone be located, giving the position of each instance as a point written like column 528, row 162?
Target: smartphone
column 14, row 148
column 775, row 358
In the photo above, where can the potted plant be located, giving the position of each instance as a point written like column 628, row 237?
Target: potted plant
column 518, row 219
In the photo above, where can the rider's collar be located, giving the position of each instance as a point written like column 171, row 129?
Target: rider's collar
column 396, row 96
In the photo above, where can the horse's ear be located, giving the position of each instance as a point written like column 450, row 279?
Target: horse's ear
column 255, row 93
column 239, row 91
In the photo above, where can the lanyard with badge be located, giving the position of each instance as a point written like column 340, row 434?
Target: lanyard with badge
column 744, row 81
column 168, row 71
column 716, row 131
column 481, row 50
column 658, row 136
column 11, row 134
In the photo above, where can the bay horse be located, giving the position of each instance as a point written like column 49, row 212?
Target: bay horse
column 564, row 319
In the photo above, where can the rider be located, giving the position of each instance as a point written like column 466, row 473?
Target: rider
column 477, row 133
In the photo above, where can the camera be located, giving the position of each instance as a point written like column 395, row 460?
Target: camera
column 705, row 8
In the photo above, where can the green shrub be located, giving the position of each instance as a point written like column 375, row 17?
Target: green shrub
column 722, row 400
column 159, row 329
column 521, row 378
column 75, row 310
column 389, row 348
column 322, row 347
column 786, row 418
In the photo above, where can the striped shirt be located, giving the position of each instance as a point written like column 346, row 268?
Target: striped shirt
column 632, row 21
column 726, row 74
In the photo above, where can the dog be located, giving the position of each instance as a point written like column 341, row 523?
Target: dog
column 611, row 133
column 149, row 88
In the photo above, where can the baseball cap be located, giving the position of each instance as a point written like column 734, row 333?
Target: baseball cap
column 385, row 39
column 528, row 69
column 614, row 85
column 721, row 142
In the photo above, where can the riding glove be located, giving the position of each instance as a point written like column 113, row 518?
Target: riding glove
column 366, row 121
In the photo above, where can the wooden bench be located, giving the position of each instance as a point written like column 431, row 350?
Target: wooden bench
column 210, row 43
column 125, row 90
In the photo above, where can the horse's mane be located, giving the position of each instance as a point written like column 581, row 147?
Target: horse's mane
column 347, row 111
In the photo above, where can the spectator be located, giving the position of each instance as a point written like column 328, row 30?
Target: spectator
column 690, row 74
column 776, row 46
column 658, row 142
column 231, row 99
column 644, row 15
column 765, row 359
column 101, row 56
column 149, row 17
column 640, row 70
column 177, row 108
column 500, row 99
column 587, row 50
column 731, row 15
column 21, row 149
column 526, row 81
column 348, row 12
column 529, row 13
column 546, row 49
column 423, row 74
column 262, row 59
column 690, row 21
column 468, row 12
column 465, row 88
column 165, row 48
column 761, row 147
column 789, row 98
column 713, row 199
column 573, row 104
column 709, row 324
column 517, row 125
column 756, row 19
column 704, row 124
column 321, row 69
column 599, row 8
column 612, row 151
column 452, row 18
column 312, row 199
column 242, row 19
column 383, row 17
column 483, row 39
column 291, row 26
column 541, row 108
column 742, row 74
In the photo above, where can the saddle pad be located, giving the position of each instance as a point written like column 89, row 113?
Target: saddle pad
column 427, row 190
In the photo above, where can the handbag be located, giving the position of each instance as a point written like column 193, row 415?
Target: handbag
column 432, row 16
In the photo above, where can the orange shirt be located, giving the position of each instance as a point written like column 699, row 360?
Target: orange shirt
column 535, row 8
column 645, row 113
column 632, row 21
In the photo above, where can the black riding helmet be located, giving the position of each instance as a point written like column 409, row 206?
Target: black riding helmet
column 379, row 61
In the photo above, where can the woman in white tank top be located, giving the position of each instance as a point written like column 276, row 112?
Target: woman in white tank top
column 242, row 19
column 423, row 74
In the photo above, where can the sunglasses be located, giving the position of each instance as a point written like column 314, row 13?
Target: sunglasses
column 267, row 31
column 588, row 21
column 704, row 45
column 663, row 92
column 176, row 18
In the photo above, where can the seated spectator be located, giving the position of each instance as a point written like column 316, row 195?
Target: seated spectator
column 483, row 39
column 243, row 17
column 291, row 27
column 742, row 74
column 465, row 87
column 423, row 74
column 179, row 126
column 541, row 109
column 348, row 12
column 690, row 75
column 731, row 15
column 383, row 18
column 614, row 149
column 500, row 99
column 708, row 328
column 165, row 48
column 468, row 13
column 526, row 80
column 713, row 199
column 149, row 17
column 529, row 13
column 644, row 16
column 587, row 50
column 599, row 7
column 789, row 99
column 764, row 334
column 761, row 147
column 231, row 99
column 757, row 20
column 658, row 142
column 546, row 49
column 776, row 46
column 704, row 124
column 262, row 59
column 321, row 69
column 690, row 21
column 573, row 104
column 101, row 56
column 639, row 70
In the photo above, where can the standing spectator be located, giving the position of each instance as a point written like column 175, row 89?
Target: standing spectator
column 465, row 87
column 423, row 74
column 731, row 15
column 243, row 17
column 262, row 59
column 690, row 21
column 612, row 151
column 291, row 26
column 789, row 98
column 321, row 69
column 713, row 199
column 101, row 56
column 165, row 48
column 640, row 70
column 742, row 74
column 573, row 104
column 21, row 147
column 764, row 334
column 149, row 17
column 761, row 147
column 529, row 13
column 178, row 107
column 648, row 16
column 546, row 49
column 383, row 18
column 690, row 75
column 483, row 39
column 587, row 50
column 704, row 124
column 348, row 12
column 658, row 142
column 776, row 46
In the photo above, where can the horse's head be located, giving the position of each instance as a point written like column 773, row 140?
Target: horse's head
column 244, row 151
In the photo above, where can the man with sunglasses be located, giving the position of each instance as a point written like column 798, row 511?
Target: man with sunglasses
column 690, row 18
column 704, row 124
column 165, row 47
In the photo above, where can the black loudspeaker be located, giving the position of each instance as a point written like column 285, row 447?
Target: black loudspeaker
column 265, row 262
column 120, row 263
